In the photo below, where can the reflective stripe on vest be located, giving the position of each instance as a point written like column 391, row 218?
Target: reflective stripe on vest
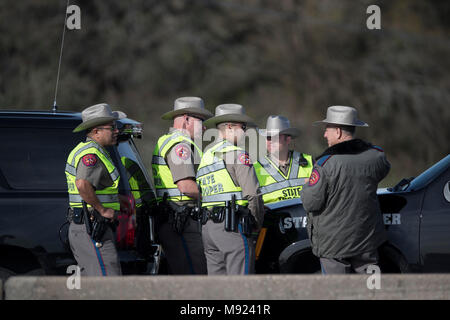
column 107, row 196
column 275, row 186
column 281, row 185
column 161, row 173
column 103, row 198
column 215, row 180
column 222, row 197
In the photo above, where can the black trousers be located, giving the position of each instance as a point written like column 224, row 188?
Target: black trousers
column 355, row 264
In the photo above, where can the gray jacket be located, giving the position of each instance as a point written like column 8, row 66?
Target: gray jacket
column 344, row 217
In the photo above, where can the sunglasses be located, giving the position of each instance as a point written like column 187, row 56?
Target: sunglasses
column 111, row 128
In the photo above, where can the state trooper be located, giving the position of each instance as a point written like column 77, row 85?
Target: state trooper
column 92, row 177
column 226, row 170
column 282, row 172
column 174, row 162
column 345, row 224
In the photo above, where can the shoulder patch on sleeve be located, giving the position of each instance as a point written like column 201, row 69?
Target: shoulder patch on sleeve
column 89, row 160
column 183, row 151
column 322, row 160
column 378, row 148
column 314, row 178
column 245, row 159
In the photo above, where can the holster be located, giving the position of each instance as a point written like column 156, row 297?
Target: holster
column 217, row 214
column 178, row 216
column 99, row 226
column 96, row 224
column 247, row 221
column 241, row 216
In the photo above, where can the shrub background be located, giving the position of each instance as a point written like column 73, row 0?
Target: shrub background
column 287, row 57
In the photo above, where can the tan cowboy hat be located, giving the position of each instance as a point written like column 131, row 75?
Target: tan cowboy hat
column 342, row 115
column 229, row 113
column 188, row 105
column 277, row 125
column 96, row 115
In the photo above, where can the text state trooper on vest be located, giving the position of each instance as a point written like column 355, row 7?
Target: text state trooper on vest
column 282, row 172
column 92, row 177
column 345, row 223
column 174, row 166
column 226, row 170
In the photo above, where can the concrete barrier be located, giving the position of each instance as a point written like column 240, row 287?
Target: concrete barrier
column 253, row 287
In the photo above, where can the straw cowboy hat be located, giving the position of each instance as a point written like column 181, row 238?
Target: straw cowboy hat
column 229, row 113
column 96, row 115
column 277, row 125
column 188, row 105
column 342, row 115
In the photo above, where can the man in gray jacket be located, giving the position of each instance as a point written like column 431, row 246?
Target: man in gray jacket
column 345, row 223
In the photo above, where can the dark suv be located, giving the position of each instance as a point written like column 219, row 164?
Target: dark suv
column 34, row 199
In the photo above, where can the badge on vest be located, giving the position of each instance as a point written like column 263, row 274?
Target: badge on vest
column 245, row 159
column 89, row 160
column 182, row 151
column 314, row 178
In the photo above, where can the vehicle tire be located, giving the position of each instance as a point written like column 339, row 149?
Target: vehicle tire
column 392, row 261
column 303, row 262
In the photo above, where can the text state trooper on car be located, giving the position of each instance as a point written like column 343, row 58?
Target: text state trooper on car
column 226, row 170
column 92, row 177
column 174, row 168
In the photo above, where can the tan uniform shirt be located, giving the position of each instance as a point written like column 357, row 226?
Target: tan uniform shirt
column 94, row 171
column 282, row 167
column 244, row 175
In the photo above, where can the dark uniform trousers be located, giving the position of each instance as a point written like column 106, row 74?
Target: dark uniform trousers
column 94, row 261
column 227, row 252
column 184, row 252
column 355, row 264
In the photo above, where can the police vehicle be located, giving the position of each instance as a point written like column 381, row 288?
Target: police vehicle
column 416, row 215
column 34, row 199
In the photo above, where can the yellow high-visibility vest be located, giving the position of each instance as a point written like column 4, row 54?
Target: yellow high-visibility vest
column 214, row 179
column 275, row 186
column 108, row 196
column 161, row 172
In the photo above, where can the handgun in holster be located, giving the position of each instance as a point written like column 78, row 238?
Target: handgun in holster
column 96, row 224
column 169, row 211
column 247, row 221
column 179, row 215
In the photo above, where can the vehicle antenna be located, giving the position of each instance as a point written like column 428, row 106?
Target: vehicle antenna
column 55, row 107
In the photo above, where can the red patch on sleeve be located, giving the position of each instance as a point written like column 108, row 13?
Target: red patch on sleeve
column 89, row 160
column 245, row 159
column 182, row 151
column 314, row 178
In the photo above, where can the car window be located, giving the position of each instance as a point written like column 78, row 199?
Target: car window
column 132, row 162
column 35, row 158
